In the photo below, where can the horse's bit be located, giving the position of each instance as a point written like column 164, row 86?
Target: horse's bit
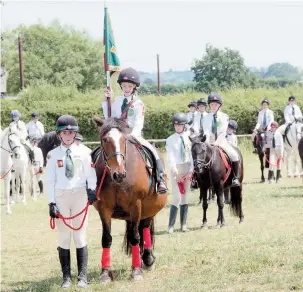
column 201, row 163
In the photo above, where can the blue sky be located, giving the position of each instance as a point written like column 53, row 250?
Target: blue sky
column 263, row 32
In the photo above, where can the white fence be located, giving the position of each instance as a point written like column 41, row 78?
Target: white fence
column 154, row 141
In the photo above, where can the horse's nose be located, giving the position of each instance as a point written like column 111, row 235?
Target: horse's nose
column 118, row 177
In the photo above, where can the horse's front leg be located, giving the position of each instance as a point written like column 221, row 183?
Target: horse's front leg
column 106, row 274
column 146, row 234
column 7, row 180
column 219, row 192
column 261, row 158
column 22, row 178
column 288, row 162
column 203, row 194
column 31, row 182
column 296, row 160
column 134, row 239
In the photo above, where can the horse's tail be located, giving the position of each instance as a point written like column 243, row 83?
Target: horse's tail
column 127, row 247
column 236, row 201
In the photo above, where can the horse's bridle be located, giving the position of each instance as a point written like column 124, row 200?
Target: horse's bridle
column 9, row 143
column 113, row 154
column 201, row 163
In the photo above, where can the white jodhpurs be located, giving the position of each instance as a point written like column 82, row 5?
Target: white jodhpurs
column 231, row 152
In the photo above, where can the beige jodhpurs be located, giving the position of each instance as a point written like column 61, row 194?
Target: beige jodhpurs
column 69, row 203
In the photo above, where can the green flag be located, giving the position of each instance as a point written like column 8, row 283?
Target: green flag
column 111, row 60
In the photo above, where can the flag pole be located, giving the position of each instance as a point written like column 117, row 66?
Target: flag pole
column 108, row 87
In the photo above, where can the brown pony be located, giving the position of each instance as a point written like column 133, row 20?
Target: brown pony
column 126, row 191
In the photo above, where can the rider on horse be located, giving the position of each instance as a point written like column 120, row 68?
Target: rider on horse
column 265, row 118
column 22, row 133
column 78, row 141
column 71, row 182
column 200, row 115
column 231, row 137
column 292, row 114
column 180, row 163
column 192, row 111
column 131, row 108
column 35, row 128
column 215, row 127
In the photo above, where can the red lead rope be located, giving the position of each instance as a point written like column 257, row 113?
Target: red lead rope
column 85, row 210
column 7, row 172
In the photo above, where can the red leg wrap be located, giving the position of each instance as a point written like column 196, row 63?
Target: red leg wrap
column 147, row 238
column 105, row 261
column 136, row 261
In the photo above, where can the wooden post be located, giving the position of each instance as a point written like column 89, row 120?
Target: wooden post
column 158, row 74
column 20, row 64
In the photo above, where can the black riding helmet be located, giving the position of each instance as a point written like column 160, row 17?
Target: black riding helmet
column 67, row 122
column 215, row 97
column 202, row 101
column 265, row 101
column 291, row 98
column 179, row 119
column 129, row 75
column 35, row 115
column 192, row 103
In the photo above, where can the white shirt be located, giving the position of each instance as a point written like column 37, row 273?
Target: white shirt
column 173, row 150
column 232, row 139
column 38, row 156
column 288, row 113
column 269, row 118
column 190, row 117
column 21, row 128
column 55, row 171
column 135, row 116
column 279, row 143
column 35, row 129
column 198, row 121
column 84, row 148
column 222, row 125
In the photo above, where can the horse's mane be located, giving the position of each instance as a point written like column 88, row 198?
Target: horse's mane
column 114, row 123
column 4, row 133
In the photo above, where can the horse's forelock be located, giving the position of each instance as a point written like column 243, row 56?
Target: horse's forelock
column 113, row 123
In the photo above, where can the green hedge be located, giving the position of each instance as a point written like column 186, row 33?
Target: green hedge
column 51, row 102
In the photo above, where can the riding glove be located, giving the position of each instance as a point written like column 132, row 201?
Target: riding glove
column 91, row 196
column 53, row 210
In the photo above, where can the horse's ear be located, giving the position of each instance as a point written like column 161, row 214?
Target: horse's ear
column 98, row 121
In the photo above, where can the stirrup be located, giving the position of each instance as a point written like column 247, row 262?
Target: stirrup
column 235, row 182
column 161, row 190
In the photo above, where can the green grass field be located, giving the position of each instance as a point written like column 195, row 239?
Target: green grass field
column 265, row 253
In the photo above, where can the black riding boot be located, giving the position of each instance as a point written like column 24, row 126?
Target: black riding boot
column 278, row 176
column 161, row 187
column 64, row 256
column 40, row 183
column 82, row 256
column 270, row 176
column 236, row 179
column 172, row 218
column 183, row 217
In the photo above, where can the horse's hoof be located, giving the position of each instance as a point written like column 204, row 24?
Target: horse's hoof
column 222, row 225
column 204, row 226
column 148, row 268
column 289, row 175
column 106, row 276
column 241, row 221
column 13, row 202
column 34, row 199
column 9, row 212
column 136, row 274
column 24, row 203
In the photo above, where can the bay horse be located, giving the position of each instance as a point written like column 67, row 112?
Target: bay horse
column 212, row 173
column 48, row 142
column 300, row 149
column 126, row 191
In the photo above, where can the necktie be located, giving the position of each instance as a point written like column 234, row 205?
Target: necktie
column 264, row 120
column 69, row 167
column 182, row 149
column 214, row 126
column 293, row 111
column 124, row 104
column 273, row 141
column 201, row 121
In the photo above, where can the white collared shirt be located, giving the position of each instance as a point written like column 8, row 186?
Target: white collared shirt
column 288, row 113
column 222, row 125
column 198, row 123
column 55, row 171
column 173, row 150
column 21, row 128
column 35, row 129
column 269, row 118
column 135, row 115
column 279, row 143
